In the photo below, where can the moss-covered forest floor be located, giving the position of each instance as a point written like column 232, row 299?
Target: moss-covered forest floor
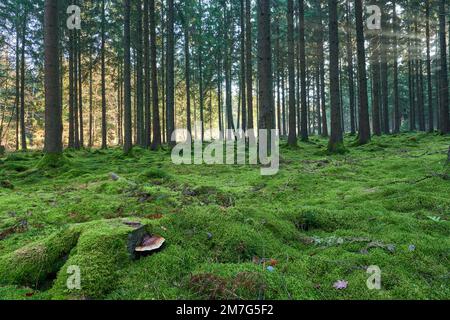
column 230, row 232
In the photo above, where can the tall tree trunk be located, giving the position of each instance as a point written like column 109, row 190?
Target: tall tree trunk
column 23, row 138
column 376, row 92
column 104, row 123
column 53, row 109
column 200, row 71
column 249, row 67
column 71, row 91
column 243, row 69
column 227, row 68
column 336, row 137
column 139, row 77
column 419, row 80
column 429, row 82
column 170, row 75
column 397, row 112
column 17, row 85
column 444, row 116
column 321, row 58
column 75, row 93
column 304, row 111
column 156, row 144
column 187, row 73
column 128, row 143
column 80, row 95
column 351, row 84
column 384, row 72
column 147, row 82
column 364, row 126
column 91, row 106
column 266, row 108
column 317, row 97
column 292, row 138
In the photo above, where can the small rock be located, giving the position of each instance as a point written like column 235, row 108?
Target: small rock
column 114, row 177
column 412, row 248
column 210, row 235
column 270, row 269
column 391, row 248
column 364, row 251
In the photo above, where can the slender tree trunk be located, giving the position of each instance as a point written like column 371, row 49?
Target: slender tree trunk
column 364, row 126
column 75, row 92
column 17, row 86
column 156, row 144
column 139, row 77
column 266, row 108
column 243, row 68
column 91, row 110
column 200, row 70
column 429, row 82
column 444, row 116
column 249, row 67
column 376, row 92
column 317, row 96
column 292, row 138
column 71, row 91
column 80, row 94
column 397, row 112
column 53, row 109
column 384, row 73
column 187, row 69
column 419, row 80
column 23, row 138
column 128, row 143
column 104, row 122
column 304, row 111
column 351, row 84
column 147, row 82
column 336, row 137
column 227, row 68
column 170, row 80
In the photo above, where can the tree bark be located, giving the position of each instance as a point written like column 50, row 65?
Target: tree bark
column 292, row 138
column 128, row 143
column 304, row 111
column 266, row 108
column 364, row 126
column 351, row 84
column 156, row 144
column 170, row 76
column 429, row 82
column 444, row 116
column 104, row 122
column 336, row 137
column 249, row 67
column 147, row 82
column 53, row 109
column 397, row 112
column 23, row 139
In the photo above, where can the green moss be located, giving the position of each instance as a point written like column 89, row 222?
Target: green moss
column 322, row 218
column 50, row 161
column 32, row 264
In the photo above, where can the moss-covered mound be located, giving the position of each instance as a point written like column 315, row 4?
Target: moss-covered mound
column 230, row 232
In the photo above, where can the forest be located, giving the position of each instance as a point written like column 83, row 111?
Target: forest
column 101, row 102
